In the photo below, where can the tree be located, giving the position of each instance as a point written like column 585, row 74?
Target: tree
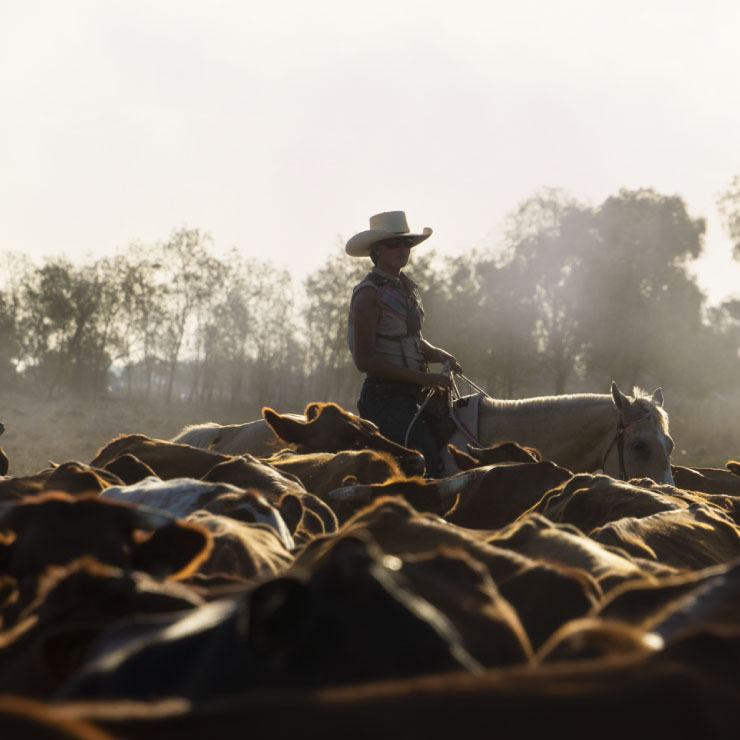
column 331, row 373
column 187, row 274
column 59, row 325
column 548, row 237
column 642, row 305
column 14, row 268
column 729, row 208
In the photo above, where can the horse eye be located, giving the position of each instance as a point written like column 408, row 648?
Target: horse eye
column 639, row 447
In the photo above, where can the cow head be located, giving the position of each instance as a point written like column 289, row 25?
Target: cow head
column 76, row 477
column 55, row 528
column 329, row 428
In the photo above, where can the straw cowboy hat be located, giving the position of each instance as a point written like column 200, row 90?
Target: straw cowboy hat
column 388, row 225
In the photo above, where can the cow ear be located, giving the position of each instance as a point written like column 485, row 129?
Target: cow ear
column 462, row 460
column 658, row 396
column 129, row 469
column 289, row 430
column 312, row 523
column 291, row 509
column 173, row 551
column 312, row 411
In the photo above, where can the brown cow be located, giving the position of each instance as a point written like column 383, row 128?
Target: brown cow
column 73, row 605
column 183, row 496
column 536, row 537
column 323, row 427
column 707, row 480
column 329, row 428
column 481, row 498
column 347, row 619
column 165, row 459
column 686, row 691
column 591, row 638
column 678, row 603
column 129, row 469
column 244, row 472
column 695, row 537
column 76, row 477
column 504, row 493
column 544, row 595
column 240, row 549
column 321, row 472
column 499, row 453
column 55, row 528
column 169, row 461
column 72, row 477
column 462, row 589
column 590, row 501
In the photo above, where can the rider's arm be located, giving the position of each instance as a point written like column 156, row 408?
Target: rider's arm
column 435, row 354
column 366, row 314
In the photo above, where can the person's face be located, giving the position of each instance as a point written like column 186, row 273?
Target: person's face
column 393, row 254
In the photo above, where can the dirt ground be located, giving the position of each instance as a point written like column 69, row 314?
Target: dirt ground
column 38, row 431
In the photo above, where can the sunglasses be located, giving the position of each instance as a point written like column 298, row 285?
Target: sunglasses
column 404, row 242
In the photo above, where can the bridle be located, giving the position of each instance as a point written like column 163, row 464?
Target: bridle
column 619, row 441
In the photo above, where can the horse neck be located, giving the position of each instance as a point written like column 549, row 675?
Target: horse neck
column 573, row 431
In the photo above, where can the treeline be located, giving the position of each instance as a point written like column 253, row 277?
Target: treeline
column 571, row 298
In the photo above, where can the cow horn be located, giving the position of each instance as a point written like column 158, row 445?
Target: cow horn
column 449, row 487
column 445, row 488
column 356, row 494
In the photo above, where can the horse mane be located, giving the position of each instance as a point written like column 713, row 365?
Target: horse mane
column 644, row 401
column 640, row 398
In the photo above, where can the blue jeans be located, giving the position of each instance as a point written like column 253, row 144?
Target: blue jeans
column 392, row 404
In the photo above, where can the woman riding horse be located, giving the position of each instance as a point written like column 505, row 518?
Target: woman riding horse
column 384, row 336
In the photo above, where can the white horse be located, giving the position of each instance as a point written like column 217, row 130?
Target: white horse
column 585, row 432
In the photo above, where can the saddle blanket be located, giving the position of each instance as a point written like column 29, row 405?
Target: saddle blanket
column 465, row 414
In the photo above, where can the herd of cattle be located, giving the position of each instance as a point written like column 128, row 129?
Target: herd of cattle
column 168, row 590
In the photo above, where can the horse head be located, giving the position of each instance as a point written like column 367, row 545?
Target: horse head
column 641, row 447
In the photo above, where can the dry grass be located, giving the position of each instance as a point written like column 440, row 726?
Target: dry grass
column 706, row 433
column 38, row 431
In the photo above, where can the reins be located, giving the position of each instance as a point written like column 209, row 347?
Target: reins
column 451, row 406
column 619, row 440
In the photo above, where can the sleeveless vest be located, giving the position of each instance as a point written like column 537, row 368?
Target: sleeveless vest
column 398, row 337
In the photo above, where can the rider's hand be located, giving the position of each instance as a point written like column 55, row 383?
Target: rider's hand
column 455, row 366
column 438, row 380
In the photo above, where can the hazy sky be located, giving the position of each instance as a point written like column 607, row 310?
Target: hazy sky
column 280, row 126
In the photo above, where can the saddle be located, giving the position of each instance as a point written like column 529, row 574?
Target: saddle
column 436, row 413
column 438, row 416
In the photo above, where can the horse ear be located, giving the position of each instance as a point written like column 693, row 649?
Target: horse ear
column 658, row 396
column 620, row 400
